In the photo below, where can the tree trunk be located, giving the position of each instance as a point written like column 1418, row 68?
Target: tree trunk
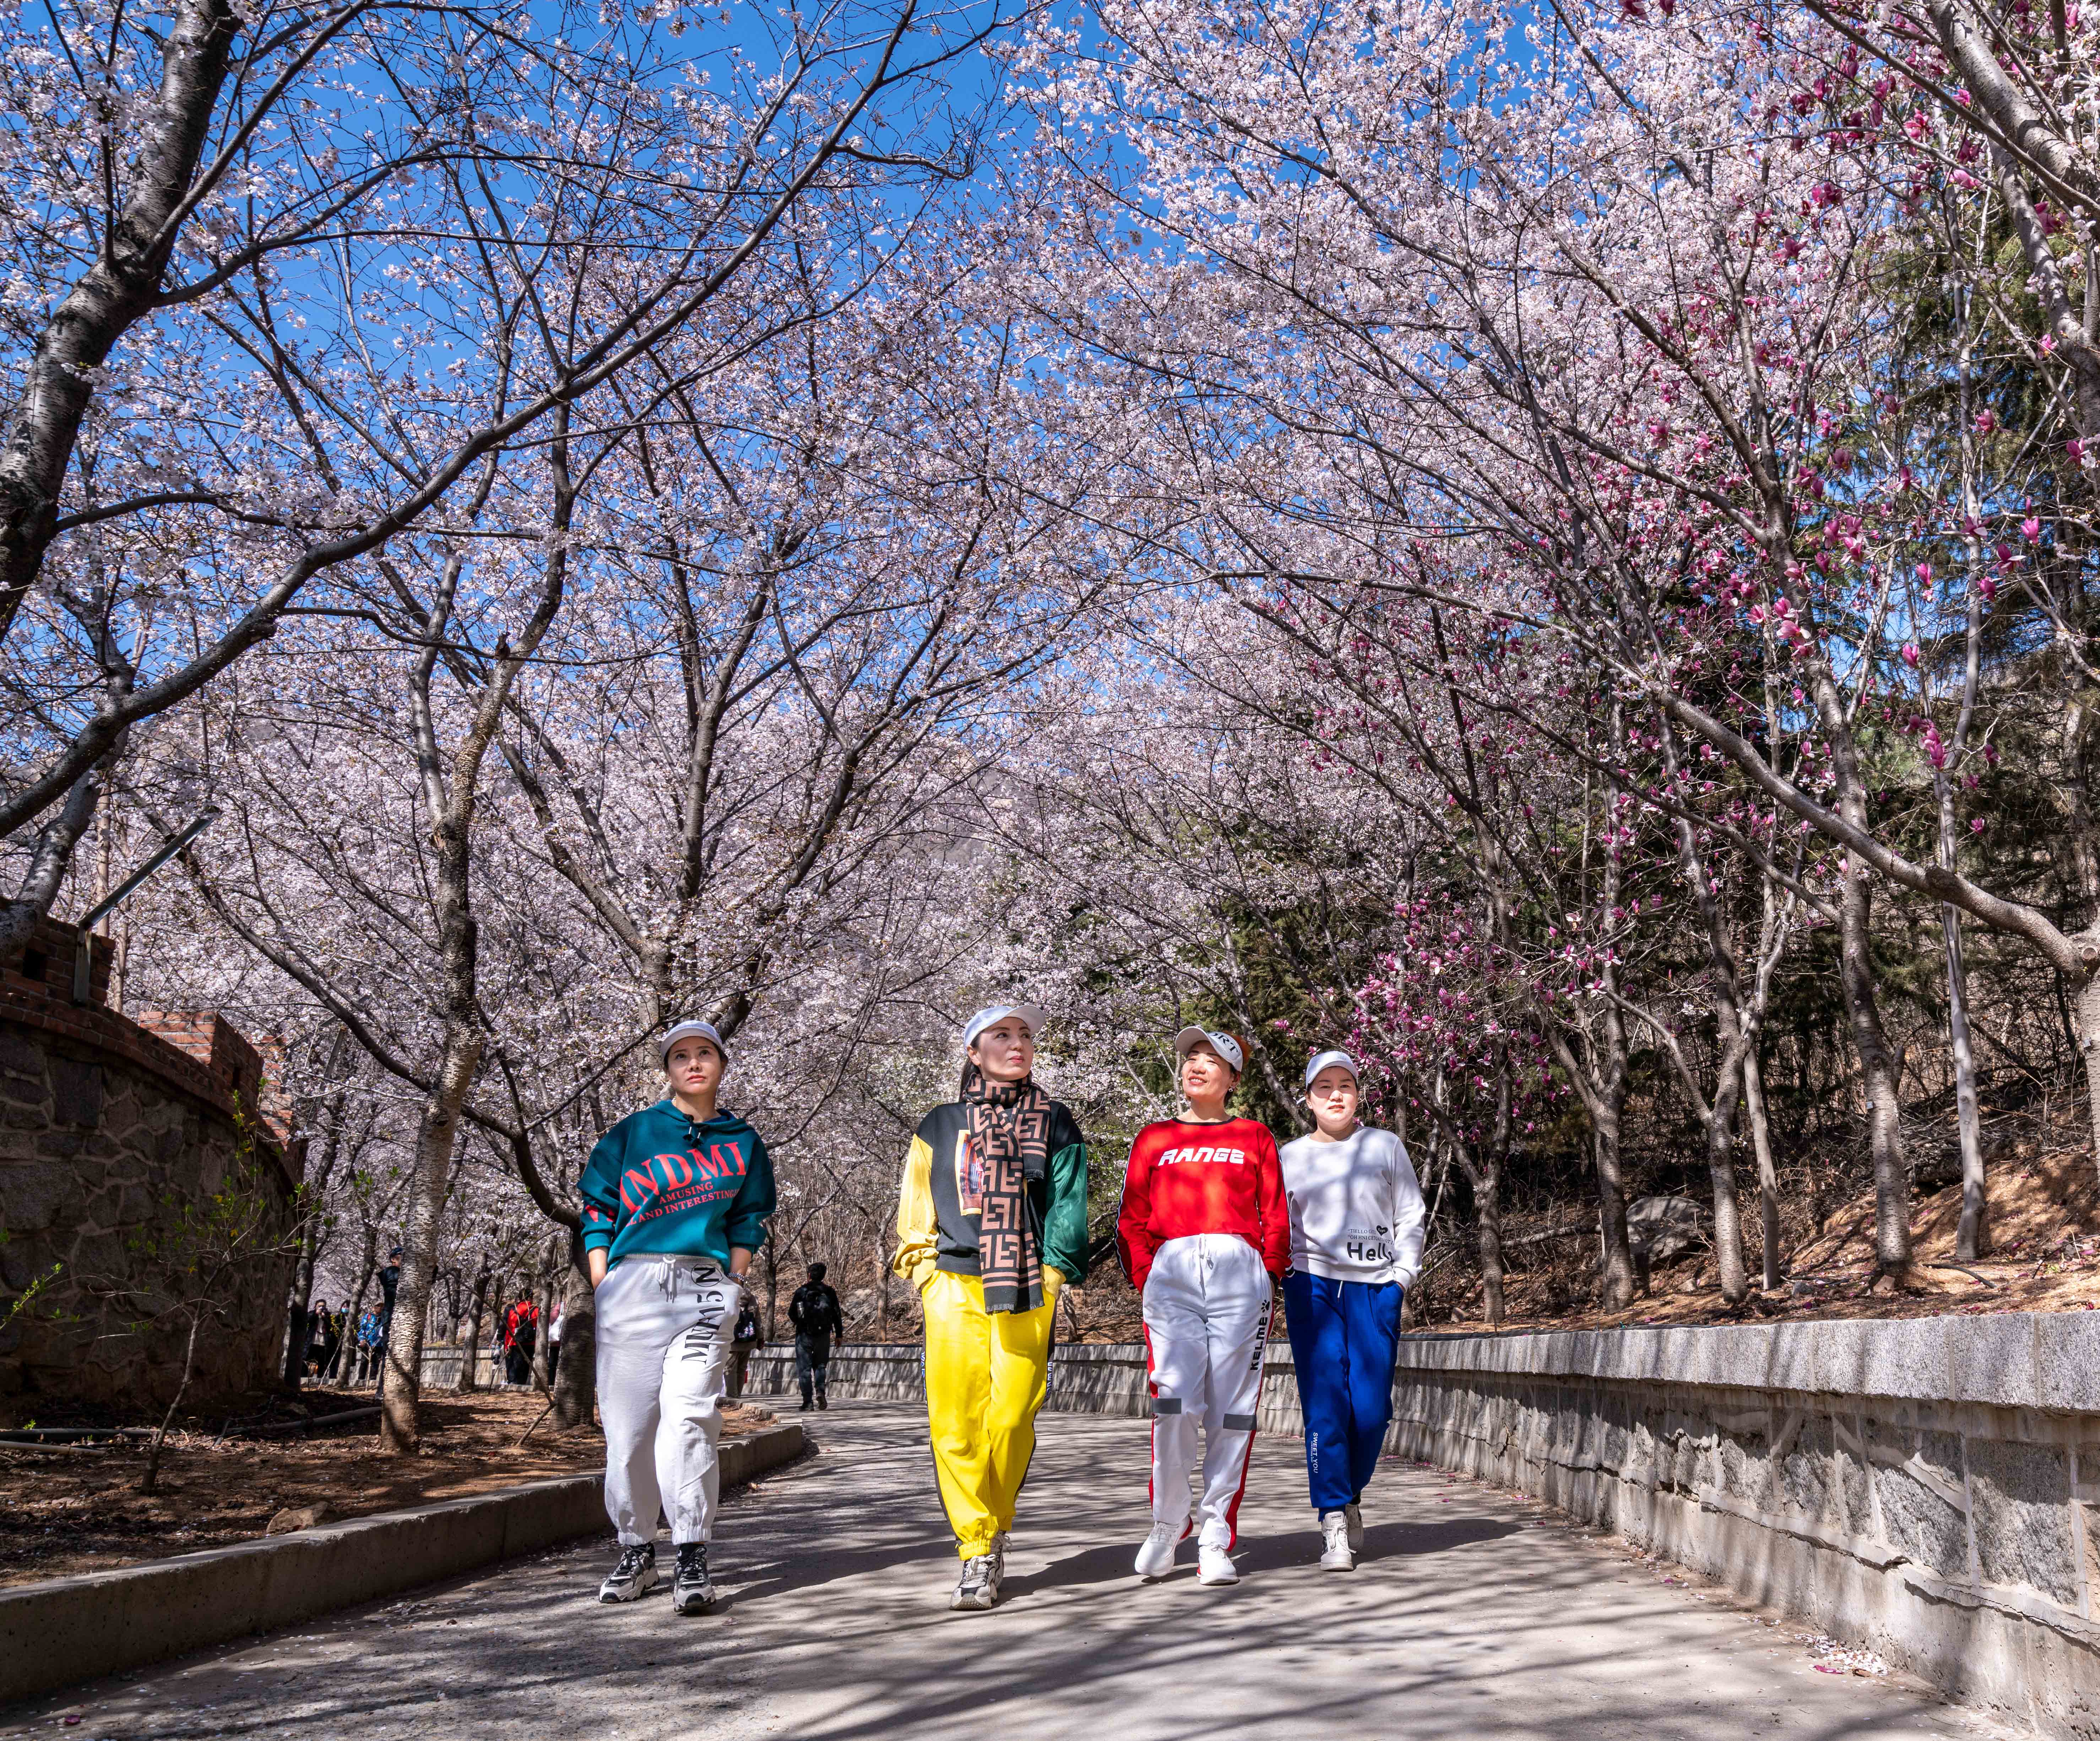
column 399, row 1426
column 1753, row 1101
column 470, row 1372
column 1972, row 1236
column 544, row 1301
column 1728, row 1212
column 575, row 1379
column 1877, row 1068
column 881, row 1286
column 150, row 1482
column 302, row 1295
column 117, row 291
column 1487, row 1209
column 1616, row 1280
column 773, row 1274
column 2089, row 1043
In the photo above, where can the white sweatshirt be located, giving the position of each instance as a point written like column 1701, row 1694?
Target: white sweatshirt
column 1355, row 1208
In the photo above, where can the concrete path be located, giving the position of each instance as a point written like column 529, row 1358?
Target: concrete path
column 1470, row 1618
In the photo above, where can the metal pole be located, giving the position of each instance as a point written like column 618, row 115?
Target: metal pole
column 83, row 957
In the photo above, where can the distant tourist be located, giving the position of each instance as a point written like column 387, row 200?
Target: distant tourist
column 991, row 1223
column 554, row 1341
column 1356, row 1246
column 390, row 1282
column 318, row 1322
column 676, row 1200
column 520, row 1325
column 815, row 1313
column 368, row 1345
column 1205, row 1233
column 749, row 1333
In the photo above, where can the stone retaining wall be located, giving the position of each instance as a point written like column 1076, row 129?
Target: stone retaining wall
column 1928, row 1488
column 110, row 1130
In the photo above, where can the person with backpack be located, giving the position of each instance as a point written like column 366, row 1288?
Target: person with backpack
column 390, row 1284
column 676, row 1200
column 992, row 1225
column 1355, row 1248
column 749, row 1333
column 1204, row 1232
column 367, row 1344
column 520, row 1325
column 815, row 1313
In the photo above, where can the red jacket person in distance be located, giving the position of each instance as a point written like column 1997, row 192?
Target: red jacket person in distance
column 1204, row 1233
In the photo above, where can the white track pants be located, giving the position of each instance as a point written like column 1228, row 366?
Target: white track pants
column 1207, row 1314
column 663, row 1329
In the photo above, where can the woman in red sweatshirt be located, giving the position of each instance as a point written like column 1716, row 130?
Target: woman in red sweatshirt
column 1205, row 1233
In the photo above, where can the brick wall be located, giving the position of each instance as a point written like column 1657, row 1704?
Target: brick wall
column 199, row 1052
column 40, row 968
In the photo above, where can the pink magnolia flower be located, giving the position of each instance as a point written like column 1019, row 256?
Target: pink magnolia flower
column 1910, row 654
column 2031, row 529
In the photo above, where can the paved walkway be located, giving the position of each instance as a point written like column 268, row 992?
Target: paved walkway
column 1470, row 1618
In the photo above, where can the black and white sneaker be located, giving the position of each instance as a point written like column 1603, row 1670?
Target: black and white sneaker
column 979, row 1588
column 635, row 1576
column 692, row 1591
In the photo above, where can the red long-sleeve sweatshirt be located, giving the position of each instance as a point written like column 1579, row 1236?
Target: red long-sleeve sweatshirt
column 1202, row 1179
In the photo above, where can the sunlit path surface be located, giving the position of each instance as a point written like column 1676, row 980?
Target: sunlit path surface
column 1468, row 1618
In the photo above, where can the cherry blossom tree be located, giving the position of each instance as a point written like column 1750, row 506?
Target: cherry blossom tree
column 300, row 277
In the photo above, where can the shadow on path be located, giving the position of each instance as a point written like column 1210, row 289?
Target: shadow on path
column 1465, row 1622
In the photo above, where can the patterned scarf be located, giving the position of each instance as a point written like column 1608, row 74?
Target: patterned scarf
column 1010, row 1129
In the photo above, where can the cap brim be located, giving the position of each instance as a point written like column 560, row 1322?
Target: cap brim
column 1187, row 1038
column 1031, row 1015
column 691, row 1030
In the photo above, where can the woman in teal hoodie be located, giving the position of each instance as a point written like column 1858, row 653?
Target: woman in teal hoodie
column 676, row 1199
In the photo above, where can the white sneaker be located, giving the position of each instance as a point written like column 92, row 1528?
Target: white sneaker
column 634, row 1577
column 979, row 1588
column 1155, row 1559
column 1214, row 1566
column 1355, row 1514
column 1335, row 1553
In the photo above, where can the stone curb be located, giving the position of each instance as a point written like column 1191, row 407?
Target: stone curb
column 66, row 1630
column 2045, row 1360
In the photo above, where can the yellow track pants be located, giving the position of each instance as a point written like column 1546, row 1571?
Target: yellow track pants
column 987, row 1374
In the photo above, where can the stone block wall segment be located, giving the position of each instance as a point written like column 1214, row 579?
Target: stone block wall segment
column 1928, row 1488
column 103, row 1125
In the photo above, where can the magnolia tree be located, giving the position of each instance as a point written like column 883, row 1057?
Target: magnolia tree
column 1603, row 340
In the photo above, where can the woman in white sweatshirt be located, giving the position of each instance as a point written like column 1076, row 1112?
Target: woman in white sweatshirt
column 1355, row 1248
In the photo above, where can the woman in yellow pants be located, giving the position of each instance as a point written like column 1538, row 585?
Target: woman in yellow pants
column 991, row 1222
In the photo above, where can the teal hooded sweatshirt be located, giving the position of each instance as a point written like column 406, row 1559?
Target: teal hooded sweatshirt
column 657, row 1182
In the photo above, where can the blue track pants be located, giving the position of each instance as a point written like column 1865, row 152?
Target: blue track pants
column 1344, row 1339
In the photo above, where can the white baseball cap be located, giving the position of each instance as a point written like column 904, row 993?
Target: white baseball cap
column 691, row 1030
column 1034, row 1014
column 1323, row 1060
column 1223, row 1044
